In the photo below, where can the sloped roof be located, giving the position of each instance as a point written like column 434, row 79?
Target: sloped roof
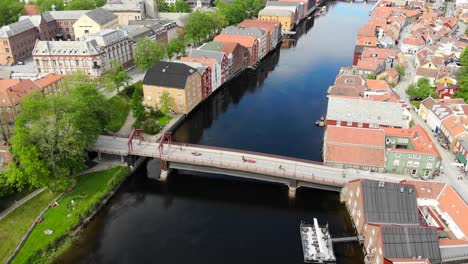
column 246, row 41
column 16, row 28
column 275, row 12
column 168, row 74
column 101, row 16
column 217, row 55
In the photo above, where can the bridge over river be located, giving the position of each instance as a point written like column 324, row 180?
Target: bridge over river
column 245, row 164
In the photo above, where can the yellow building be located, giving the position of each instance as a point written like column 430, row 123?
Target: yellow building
column 285, row 17
column 94, row 21
column 182, row 82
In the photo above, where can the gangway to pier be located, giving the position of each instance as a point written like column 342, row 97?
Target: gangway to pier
column 347, row 239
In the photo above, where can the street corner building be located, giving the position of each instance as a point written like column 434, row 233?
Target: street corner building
column 182, row 82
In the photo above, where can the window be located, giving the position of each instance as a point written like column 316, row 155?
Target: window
column 431, row 157
column 429, row 165
column 180, row 95
column 396, row 162
column 86, row 31
column 411, row 156
column 416, row 164
column 148, row 98
column 397, row 155
column 426, row 173
column 417, row 156
column 413, row 172
column 7, row 50
column 358, row 191
column 409, row 163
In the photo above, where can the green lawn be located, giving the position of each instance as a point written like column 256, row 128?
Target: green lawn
column 119, row 111
column 14, row 226
column 416, row 103
column 9, row 200
column 89, row 190
column 163, row 120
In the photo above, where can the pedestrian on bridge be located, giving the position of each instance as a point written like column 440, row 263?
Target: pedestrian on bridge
column 243, row 159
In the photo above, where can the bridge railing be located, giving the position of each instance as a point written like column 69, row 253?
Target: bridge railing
column 294, row 175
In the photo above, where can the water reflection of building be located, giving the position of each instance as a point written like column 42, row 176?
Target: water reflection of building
column 230, row 93
column 301, row 29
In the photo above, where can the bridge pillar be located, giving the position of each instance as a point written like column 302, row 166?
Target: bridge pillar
column 99, row 155
column 122, row 160
column 164, row 174
column 292, row 189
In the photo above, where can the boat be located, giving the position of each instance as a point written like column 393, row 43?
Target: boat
column 320, row 122
column 317, row 243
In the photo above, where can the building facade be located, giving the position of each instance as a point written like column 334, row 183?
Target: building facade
column 285, row 17
column 94, row 21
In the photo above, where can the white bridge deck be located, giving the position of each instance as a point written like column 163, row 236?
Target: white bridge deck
column 265, row 164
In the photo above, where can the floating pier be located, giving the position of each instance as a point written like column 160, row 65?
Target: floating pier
column 316, row 243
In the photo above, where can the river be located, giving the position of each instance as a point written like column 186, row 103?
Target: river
column 218, row 219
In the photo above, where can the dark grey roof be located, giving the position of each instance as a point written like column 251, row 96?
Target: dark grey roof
column 389, row 203
column 454, row 253
column 411, row 242
column 358, row 48
column 278, row 3
column 217, row 55
column 168, row 74
column 16, row 28
column 101, row 16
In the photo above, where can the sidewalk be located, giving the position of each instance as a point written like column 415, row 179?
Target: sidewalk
column 20, row 202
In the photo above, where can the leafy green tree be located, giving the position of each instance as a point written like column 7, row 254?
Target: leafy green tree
column 199, row 27
column 10, row 11
column 85, row 4
column 219, row 21
column 46, row 5
column 116, row 77
column 52, row 134
column 421, row 90
column 180, row 6
column 463, row 76
column 175, row 47
column 400, row 69
column 162, row 6
column 165, row 102
column 148, row 53
column 239, row 10
column 371, row 76
column 137, row 106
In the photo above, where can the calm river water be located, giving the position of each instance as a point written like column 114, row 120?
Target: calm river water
column 215, row 219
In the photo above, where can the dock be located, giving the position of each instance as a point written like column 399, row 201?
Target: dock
column 317, row 243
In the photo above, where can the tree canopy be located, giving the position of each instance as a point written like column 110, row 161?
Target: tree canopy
column 51, row 136
column 400, row 69
column 180, row 6
column 116, row 77
column 10, row 11
column 239, row 10
column 463, row 76
column 148, row 53
column 163, row 6
column 46, row 5
column 84, row 4
column 421, row 90
column 165, row 102
column 175, row 47
column 199, row 27
column 137, row 104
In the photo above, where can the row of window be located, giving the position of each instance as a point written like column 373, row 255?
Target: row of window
column 414, row 164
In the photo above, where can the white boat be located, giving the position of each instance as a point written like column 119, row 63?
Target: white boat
column 316, row 243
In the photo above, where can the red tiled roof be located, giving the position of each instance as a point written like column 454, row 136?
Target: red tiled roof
column 30, row 10
column 206, row 61
column 376, row 85
column 14, row 94
column 426, row 189
column 453, row 126
column 451, row 203
column 422, row 142
column 246, row 41
column 369, row 64
column 370, row 52
column 264, row 25
column 48, row 79
column 430, row 73
column 350, row 145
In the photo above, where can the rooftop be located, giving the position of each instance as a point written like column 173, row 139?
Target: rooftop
column 246, row 41
column 168, row 74
column 101, row 16
column 422, row 142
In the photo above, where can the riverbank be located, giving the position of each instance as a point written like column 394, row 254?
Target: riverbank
column 56, row 228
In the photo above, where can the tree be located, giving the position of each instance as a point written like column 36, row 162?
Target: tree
column 84, row 4
column 421, row 90
column 166, row 102
column 137, row 105
column 219, row 21
column 46, row 5
column 175, row 46
column 371, row 76
column 400, row 69
column 10, row 11
column 199, row 27
column 462, row 78
column 180, row 7
column 239, row 10
column 162, row 6
column 148, row 53
column 5, row 130
column 116, row 77
column 52, row 134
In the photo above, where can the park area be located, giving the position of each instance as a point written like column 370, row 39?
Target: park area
column 55, row 227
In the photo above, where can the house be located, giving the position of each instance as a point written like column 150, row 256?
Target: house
column 366, row 41
column 390, row 75
column 402, row 244
column 51, row 83
column 253, row 32
column 461, row 147
column 453, row 130
column 205, row 73
column 249, row 42
column 387, row 55
column 94, row 21
column 17, row 41
column 368, row 66
column 215, row 69
column 238, row 55
column 65, row 20
column 308, row 5
column 352, row 147
column 357, row 53
column 182, row 82
column 272, row 28
column 411, row 44
column 378, row 202
column 93, row 55
column 285, row 17
column 155, row 32
column 411, row 152
column 378, row 90
column 12, row 92
column 352, row 112
column 45, row 25
column 437, row 114
column 221, row 60
column 430, row 74
column 348, row 85
column 155, row 24
column 294, row 7
column 447, row 75
column 425, row 106
column 127, row 10
column 446, row 91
